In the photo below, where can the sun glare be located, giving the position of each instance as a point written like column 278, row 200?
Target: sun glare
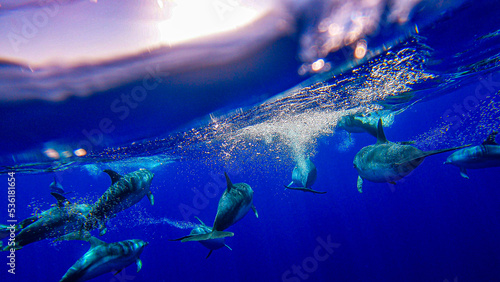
column 189, row 19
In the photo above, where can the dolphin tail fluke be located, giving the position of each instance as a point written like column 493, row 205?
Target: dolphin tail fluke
column 203, row 237
column 138, row 262
column 304, row 189
column 463, row 172
column 255, row 211
column 430, row 153
column 317, row 192
column 360, row 184
column 435, row 152
column 209, row 253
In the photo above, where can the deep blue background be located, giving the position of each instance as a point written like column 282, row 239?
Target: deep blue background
column 432, row 226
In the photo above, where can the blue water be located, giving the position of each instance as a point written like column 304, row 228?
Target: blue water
column 438, row 87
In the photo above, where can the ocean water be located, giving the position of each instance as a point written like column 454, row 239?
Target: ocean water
column 83, row 88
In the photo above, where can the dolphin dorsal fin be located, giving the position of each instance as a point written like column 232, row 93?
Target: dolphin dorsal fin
column 228, row 181
column 380, row 133
column 94, row 242
column 115, row 176
column 491, row 139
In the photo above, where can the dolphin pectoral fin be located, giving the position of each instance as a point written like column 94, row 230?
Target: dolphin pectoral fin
column 115, row 176
column 209, row 253
column 102, row 228
column 139, row 264
column 26, row 222
column 360, row 184
column 255, row 211
column 463, row 172
column 151, row 198
column 228, row 247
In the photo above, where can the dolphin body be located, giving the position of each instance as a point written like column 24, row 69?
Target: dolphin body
column 357, row 124
column 234, row 204
column 124, row 192
column 303, row 177
column 57, row 191
column 387, row 161
column 55, row 222
column 211, row 244
column 485, row 155
column 105, row 257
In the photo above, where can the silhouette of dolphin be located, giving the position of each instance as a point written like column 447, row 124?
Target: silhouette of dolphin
column 57, row 191
column 386, row 161
column 485, row 155
column 211, row 244
column 105, row 257
column 234, row 204
column 124, row 192
column 303, row 177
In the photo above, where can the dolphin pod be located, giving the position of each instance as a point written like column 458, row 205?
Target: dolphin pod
column 105, row 257
column 483, row 156
column 386, row 161
column 234, row 204
column 124, row 192
column 303, row 177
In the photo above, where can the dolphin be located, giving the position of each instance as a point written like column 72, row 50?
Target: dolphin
column 211, row 244
column 387, row 161
column 234, row 204
column 57, row 191
column 303, row 176
column 52, row 223
column 357, row 124
column 485, row 155
column 105, row 257
column 124, row 192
